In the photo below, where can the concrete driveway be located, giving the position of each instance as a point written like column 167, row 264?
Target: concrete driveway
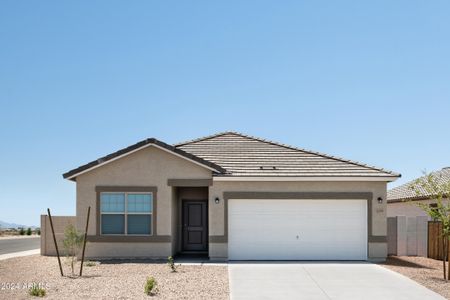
column 317, row 281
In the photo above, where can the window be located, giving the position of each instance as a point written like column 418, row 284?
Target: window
column 126, row 213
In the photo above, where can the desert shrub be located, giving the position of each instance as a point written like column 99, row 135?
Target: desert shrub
column 73, row 241
column 171, row 264
column 38, row 231
column 21, row 231
column 90, row 263
column 150, row 286
column 29, row 231
column 36, row 291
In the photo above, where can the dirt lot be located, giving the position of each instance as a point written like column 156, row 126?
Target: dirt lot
column 111, row 280
column 426, row 271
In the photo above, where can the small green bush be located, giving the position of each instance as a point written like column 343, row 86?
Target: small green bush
column 29, row 231
column 21, row 231
column 36, row 291
column 150, row 286
column 38, row 231
column 90, row 263
column 171, row 264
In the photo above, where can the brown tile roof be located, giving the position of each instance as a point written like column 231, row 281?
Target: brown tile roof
column 136, row 146
column 403, row 192
column 243, row 155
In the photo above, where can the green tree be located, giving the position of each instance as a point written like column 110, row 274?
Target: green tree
column 21, row 231
column 436, row 189
column 29, row 231
column 73, row 241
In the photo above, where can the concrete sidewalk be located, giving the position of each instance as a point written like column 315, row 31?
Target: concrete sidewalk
column 322, row 281
column 20, row 237
column 20, row 254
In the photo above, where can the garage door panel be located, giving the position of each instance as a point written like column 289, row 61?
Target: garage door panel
column 297, row 229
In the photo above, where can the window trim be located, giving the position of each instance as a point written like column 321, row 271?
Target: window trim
column 98, row 237
column 125, row 213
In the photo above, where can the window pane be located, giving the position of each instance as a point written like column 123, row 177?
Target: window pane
column 140, row 203
column 139, row 224
column 113, row 224
column 112, row 202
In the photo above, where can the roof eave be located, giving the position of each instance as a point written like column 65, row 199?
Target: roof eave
column 72, row 174
column 407, row 199
column 414, row 198
column 222, row 177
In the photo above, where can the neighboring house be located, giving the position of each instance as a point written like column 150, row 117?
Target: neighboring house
column 401, row 199
column 231, row 196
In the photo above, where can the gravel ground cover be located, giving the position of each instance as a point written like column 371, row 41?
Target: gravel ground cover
column 426, row 271
column 111, row 280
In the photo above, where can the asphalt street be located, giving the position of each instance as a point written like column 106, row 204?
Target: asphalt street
column 19, row 244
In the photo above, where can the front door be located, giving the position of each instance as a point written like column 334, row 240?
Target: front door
column 195, row 225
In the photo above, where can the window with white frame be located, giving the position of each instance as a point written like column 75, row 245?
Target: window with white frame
column 126, row 213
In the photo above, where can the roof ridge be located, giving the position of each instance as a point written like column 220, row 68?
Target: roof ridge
column 204, row 138
column 293, row 148
column 137, row 146
column 319, row 153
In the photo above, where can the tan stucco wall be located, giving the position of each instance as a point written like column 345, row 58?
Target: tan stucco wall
column 147, row 167
column 60, row 224
column 216, row 211
column 153, row 167
column 174, row 219
column 408, row 209
column 377, row 251
column 128, row 250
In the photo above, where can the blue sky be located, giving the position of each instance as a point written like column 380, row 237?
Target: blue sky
column 365, row 80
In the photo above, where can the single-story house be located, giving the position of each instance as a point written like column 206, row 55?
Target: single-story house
column 232, row 197
column 401, row 199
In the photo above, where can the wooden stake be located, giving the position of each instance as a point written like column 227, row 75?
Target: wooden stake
column 448, row 257
column 84, row 242
column 444, row 253
column 54, row 240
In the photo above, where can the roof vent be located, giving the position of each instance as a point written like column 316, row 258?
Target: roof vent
column 267, row 168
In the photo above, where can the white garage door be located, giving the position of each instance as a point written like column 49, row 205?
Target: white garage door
column 297, row 229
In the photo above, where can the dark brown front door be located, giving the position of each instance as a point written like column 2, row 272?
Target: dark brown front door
column 195, row 225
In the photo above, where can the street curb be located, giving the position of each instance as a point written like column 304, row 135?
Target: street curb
column 20, row 254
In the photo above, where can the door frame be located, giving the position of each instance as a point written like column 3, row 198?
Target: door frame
column 183, row 201
column 300, row 195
